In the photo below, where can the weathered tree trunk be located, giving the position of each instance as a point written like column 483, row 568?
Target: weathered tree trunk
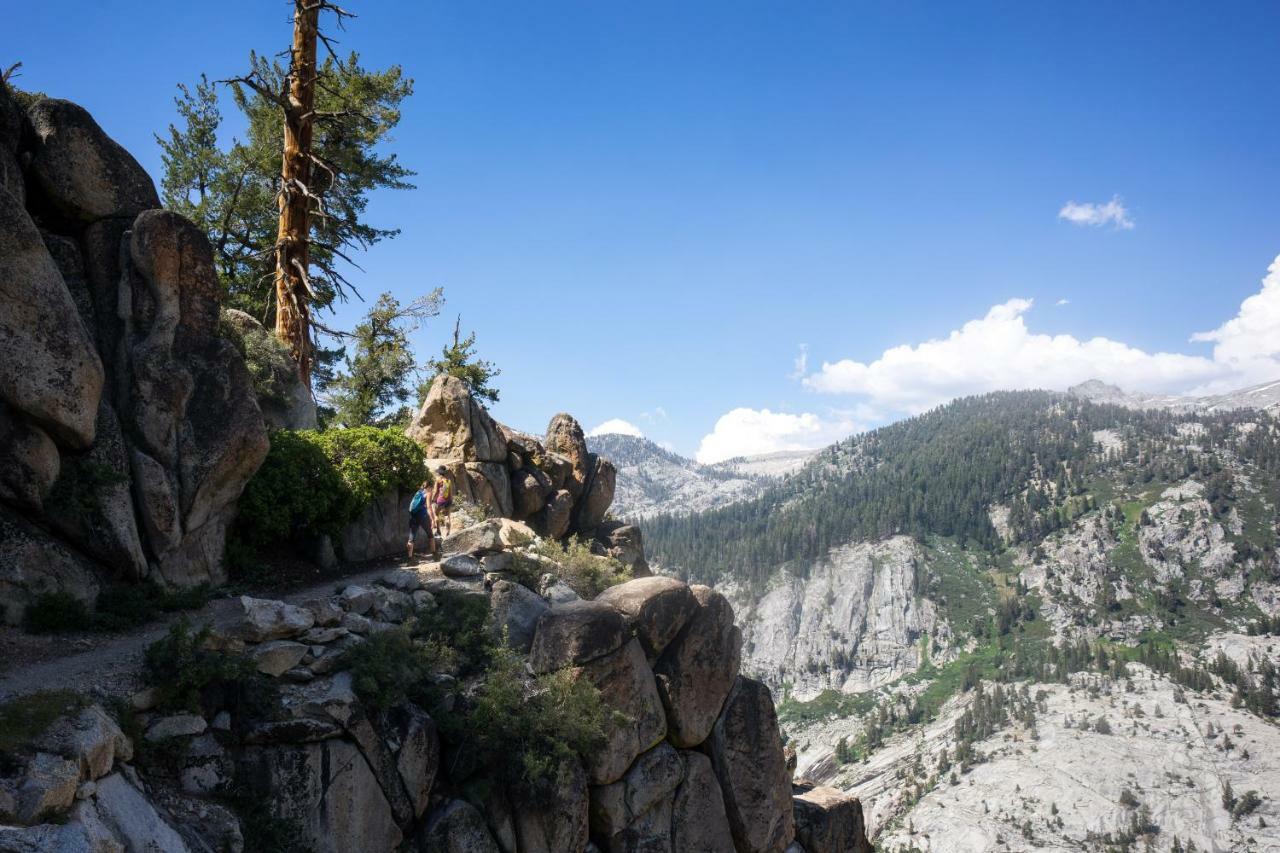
column 293, row 287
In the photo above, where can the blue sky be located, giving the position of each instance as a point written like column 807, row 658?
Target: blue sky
column 645, row 210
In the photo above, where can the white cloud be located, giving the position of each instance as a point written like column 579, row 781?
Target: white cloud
column 1063, row 301
column 745, row 432
column 999, row 352
column 1097, row 214
column 616, row 426
column 1249, row 343
column 801, row 365
column 656, row 415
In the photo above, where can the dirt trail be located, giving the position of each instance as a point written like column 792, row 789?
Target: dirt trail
column 109, row 664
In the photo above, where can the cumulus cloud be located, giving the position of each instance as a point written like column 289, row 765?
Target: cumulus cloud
column 746, row 432
column 1097, row 214
column 1249, row 343
column 999, row 352
column 616, row 426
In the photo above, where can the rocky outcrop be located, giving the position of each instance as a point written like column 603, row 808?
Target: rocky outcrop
column 282, row 396
column 851, row 623
column 746, row 751
column 341, row 773
column 130, row 425
column 556, row 485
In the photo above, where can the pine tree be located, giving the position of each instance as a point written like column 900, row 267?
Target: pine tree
column 459, row 359
column 235, row 193
column 379, row 371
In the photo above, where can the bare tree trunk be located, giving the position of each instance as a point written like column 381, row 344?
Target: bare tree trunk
column 293, row 286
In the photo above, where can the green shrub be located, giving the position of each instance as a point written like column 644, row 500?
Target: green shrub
column 55, row 612
column 272, row 370
column 188, row 676
column 316, row 482
column 119, row 606
column 390, row 666
column 522, row 731
column 461, row 622
column 586, row 573
column 296, row 491
column 23, row 718
column 373, row 461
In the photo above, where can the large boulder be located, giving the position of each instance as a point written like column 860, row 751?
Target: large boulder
column 626, row 687
column 651, row 780
column 625, row 543
column 565, row 437
column 514, row 614
column 554, row 820
column 597, row 495
column 452, row 425
column 530, row 489
column 81, row 173
column 192, row 403
column 698, row 819
column 133, row 818
column 32, row 562
column 49, row 369
column 575, row 633
column 655, row 608
column 746, row 751
column 380, row 530
column 327, row 791
column 697, row 669
column 29, row 461
column 830, row 821
column 553, row 520
column 455, row 826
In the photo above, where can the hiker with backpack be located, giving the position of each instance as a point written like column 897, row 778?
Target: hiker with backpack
column 441, row 504
column 420, row 515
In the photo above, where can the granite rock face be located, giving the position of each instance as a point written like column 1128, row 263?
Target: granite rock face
column 130, row 426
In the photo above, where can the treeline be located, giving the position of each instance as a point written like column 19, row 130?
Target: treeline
column 939, row 473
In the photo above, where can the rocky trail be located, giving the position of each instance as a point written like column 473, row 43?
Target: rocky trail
column 108, row 664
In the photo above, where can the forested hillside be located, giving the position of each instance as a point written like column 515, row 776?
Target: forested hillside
column 940, row 473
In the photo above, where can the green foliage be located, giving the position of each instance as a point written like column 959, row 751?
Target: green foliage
column 378, row 372
column 461, row 622
column 54, row 613
column 521, row 731
column 187, row 674
column 118, row 606
column 296, row 491
column 459, row 360
column 586, row 573
column 391, row 666
column 230, row 191
column 272, row 369
column 24, row 718
column 316, row 482
column 371, row 462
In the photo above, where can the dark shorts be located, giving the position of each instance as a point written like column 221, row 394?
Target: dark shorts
column 416, row 523
column 444, row 508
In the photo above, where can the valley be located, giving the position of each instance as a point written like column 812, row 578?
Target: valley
column 1024, row 621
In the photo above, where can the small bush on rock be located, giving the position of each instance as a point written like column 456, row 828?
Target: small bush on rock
column 272, row 370
column 190, row 676
column 55, row 612
column 458, row 621
column 391, row 666
column 586, row 573
column 522, row 731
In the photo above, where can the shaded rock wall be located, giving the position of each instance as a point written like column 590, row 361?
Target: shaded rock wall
column 129, row 425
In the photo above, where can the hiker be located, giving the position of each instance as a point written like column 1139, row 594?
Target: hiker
column 441, row 503
column 419, row 514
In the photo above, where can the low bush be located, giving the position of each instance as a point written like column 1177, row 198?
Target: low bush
column 586, row 573
column 391, row 667
column 118, row 607
column 459, row 621
column 521, row 731
column 22, row 719
column 55, row 612
column 190, row 676
column 372, row 462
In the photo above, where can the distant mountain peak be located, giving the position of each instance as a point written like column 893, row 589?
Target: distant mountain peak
column 1264, row 397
